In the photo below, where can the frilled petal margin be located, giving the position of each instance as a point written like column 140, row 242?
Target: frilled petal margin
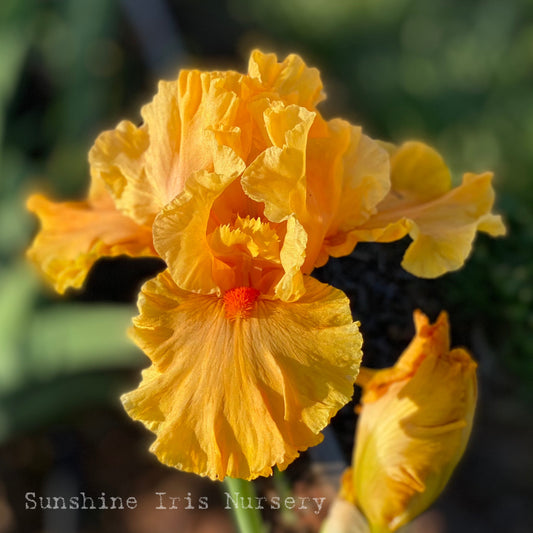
column 192, row 127
column 328, row 174
column 212, row 263
column 442, row 222
column 119, row 157
column 234, row 398
column 277, row 176
column 292, row 79
column 74, row 235
column 180, row 231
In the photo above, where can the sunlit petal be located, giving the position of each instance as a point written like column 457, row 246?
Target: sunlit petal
column 188, row 122
column 442, row 221
column 180, row 232
column 119, row 157
column 277, row 176
column 74, row 235
column 291, row 79
column 290, row 366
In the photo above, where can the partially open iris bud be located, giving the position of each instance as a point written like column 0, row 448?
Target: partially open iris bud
column 414, row 424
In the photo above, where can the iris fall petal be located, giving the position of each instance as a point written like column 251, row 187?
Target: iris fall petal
column 290, row 366
column 74, row 235
column 442, row 221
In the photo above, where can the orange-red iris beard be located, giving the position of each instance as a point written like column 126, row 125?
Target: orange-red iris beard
column 239, row 302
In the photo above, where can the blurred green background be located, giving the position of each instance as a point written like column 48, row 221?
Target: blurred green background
column 457, row 74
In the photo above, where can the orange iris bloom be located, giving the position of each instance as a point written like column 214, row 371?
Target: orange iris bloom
column 240, row 185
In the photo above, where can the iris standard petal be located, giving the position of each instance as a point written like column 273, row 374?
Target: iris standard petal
column 292, row 79
column 188, row 122
column 208, row 253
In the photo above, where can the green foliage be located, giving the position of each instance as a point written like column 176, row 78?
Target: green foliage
column 55, row 356
column 44, row 347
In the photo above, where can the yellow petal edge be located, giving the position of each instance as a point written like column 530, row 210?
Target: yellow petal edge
column 74, row 235
column 441, row 220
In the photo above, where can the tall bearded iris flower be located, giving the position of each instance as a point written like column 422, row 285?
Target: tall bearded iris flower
column 252, row 358
column 240, row 185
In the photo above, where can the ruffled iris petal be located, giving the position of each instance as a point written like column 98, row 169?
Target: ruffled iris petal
column 118, row 156
column 328, row 174
column 277, row 176
column 74, row 235
column 290, row 366
column 441, row 221
column 208, row 255
column 292, row 79
column 363, row 178
column 180, row 232
column 292, row 256
column 189, row 123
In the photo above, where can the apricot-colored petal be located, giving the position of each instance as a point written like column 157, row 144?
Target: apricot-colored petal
column 343, row 243
column 429, row 338
column 291, row 79
column 444, row 230
column 419, row 173
column 363, row 182
column 290, row 366
column 328, row 174
column 442, row 222
column 74, row 235
column 119, row 157
column 277, row 176
column 188, row 123
column 180, row 232
column 292, row 256
column 207, row 255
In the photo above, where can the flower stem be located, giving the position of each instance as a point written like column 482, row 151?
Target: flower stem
column 247, row 517
column 288, row 516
